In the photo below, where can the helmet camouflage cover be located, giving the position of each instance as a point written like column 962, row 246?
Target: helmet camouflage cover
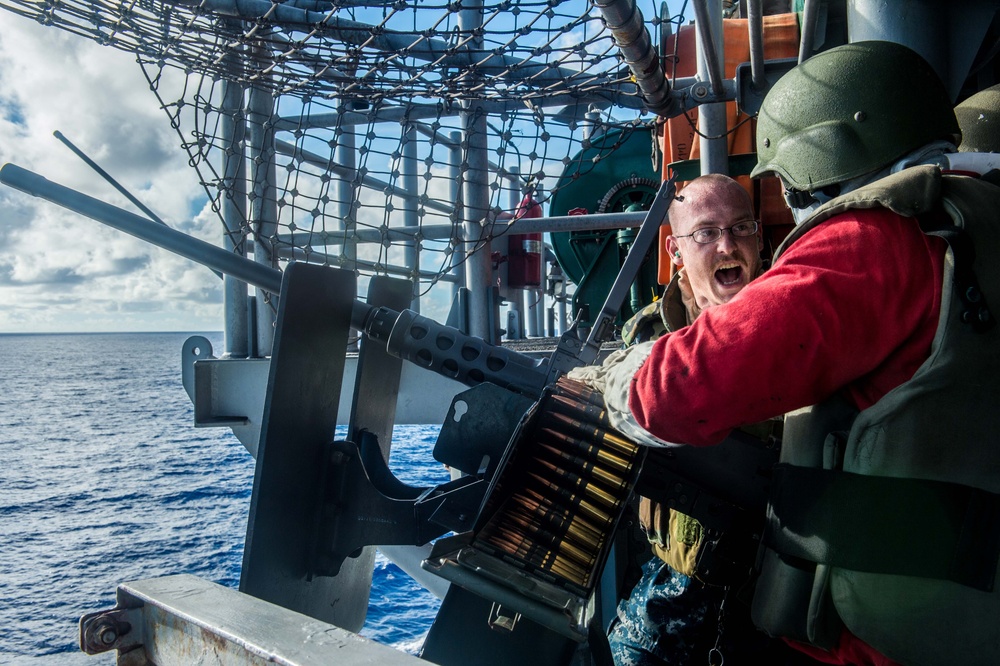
column 979, row 118
column 848, row 111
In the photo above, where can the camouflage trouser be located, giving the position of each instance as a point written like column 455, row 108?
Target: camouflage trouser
column 668, row 619
column 673, row 620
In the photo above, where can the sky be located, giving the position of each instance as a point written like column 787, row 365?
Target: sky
column 59, row 271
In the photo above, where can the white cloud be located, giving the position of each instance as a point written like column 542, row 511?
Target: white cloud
column 60, row 271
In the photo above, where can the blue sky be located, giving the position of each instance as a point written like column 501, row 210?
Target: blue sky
column 60, row 272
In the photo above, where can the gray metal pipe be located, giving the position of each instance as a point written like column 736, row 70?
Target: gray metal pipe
column 478, row 260
column 810, row 16
column 625, row 21
column 285, row 148
column 446, row 109
column 712, row 122
column 455, row 188
column 405, row 235
column 234, row 215
column 560, row 223
column 347, row 156
column 755, row 27
column 412, row 44
column 268, row 279
column 411, row 220
column 555, row 224
column 264, row 206
column 710, row 33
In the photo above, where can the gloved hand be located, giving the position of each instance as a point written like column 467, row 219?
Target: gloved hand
column 612, row 379
column 596, row 376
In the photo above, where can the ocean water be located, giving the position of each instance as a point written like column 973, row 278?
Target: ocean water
column 104, row 479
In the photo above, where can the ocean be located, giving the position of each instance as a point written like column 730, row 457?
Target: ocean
column 105, row 479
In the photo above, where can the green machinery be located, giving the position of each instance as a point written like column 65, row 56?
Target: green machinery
column 596, row 183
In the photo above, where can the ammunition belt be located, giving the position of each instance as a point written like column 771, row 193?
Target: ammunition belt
column 558, row 497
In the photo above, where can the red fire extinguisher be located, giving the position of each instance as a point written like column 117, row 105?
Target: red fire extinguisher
column 524, row 251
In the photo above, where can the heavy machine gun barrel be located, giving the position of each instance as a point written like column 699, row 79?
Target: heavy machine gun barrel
column 423, row 341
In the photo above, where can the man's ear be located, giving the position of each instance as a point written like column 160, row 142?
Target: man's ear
column 673, row 249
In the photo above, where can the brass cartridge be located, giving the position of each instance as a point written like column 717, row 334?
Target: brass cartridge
column 561, row 518
column 585, row 411
column 586, row 467
column 576, row 483
column 590, row 432
column 558, row 544
column 548, row 488
column 580, row 391
column 563, row 441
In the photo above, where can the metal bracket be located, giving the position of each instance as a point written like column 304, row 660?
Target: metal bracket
column 182, row 620
column 110, row 630
column 478, row 428
column 500, row 622
column 748, row 97
column 354, row 512
column 299, row 418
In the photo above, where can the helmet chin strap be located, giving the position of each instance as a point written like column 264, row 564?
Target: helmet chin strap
column 804, row 204
column 800, row 215
column 932, row 153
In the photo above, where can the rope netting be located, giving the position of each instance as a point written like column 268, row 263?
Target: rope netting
column 345, row 132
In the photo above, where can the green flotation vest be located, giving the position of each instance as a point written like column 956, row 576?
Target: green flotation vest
column 887, row 521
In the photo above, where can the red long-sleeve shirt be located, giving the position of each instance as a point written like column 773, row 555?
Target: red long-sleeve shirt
column 850, row 307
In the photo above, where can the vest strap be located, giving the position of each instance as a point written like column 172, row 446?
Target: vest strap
column 975, row 310
column 939, row 530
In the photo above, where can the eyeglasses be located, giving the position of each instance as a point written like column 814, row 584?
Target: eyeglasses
column 707, row 235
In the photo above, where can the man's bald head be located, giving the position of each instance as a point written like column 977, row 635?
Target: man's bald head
column 714, row 205
column 713, row 191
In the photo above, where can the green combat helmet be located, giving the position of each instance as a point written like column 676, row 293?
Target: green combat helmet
column 848, row 111
column 979, row 118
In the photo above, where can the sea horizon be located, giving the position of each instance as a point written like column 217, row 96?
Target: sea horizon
column 107, row 480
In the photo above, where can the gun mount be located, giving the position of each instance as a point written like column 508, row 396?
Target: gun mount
column 320, row 506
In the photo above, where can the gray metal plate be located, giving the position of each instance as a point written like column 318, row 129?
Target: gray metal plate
column 300, row 413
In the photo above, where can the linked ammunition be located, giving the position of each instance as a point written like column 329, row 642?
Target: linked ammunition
column 562, row 522
column 559, row 541
column 584, row 411
column 580, row 391
column 520, row 547
column 601, row 517
column 586, row 467
column 538, row 535
column 576, row 483
column 561, row 519
column 588, row 451
column 590, row 432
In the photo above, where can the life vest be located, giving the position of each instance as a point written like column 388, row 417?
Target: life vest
column 887, row 521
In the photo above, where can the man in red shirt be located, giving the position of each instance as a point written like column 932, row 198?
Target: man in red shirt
column 849, row 311
column 672, row 615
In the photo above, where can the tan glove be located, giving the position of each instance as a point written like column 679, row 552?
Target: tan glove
column 613, row 379
column 596, row 376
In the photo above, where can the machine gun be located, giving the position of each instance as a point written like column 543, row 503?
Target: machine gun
column 318, row 503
